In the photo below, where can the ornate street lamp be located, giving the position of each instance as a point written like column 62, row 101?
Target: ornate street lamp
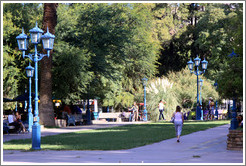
column 216, row 107
column 145, row 118
column 234, row 122
column 197, row 72
column 29, row 74
column 201, row 83
column 48, row 41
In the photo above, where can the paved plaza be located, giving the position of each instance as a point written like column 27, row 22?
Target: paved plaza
column 208, row 146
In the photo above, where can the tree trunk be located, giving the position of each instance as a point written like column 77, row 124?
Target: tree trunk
column 46, row 111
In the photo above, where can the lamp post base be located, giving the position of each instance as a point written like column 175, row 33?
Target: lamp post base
column 201, row 114
column 88, row 117
column 30, row 121
column 36, row 136
column 234, row 122
column 216, row 115
column 145, row 118
column 198, row 113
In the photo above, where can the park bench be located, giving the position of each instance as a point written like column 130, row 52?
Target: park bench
column 74, row 119
column 125, row 116
column 118, row 116
column 6, row 126
column 78, row 118
column 115, row 115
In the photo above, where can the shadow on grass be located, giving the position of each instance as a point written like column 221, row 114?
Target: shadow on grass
column 114, row 138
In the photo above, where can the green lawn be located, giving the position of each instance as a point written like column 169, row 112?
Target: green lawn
column 123, row 137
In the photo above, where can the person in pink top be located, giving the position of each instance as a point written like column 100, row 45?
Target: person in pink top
column 178, row 122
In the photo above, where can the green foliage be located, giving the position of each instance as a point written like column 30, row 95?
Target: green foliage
column 220, row 31
column 158, row 89
column 104, row 50
column 230, row 80
column 171, row 22
column 213, row 33
column 10, row 77
column 67, row 83
column 16, row 16
column 185, row 85
column 177, row 89
column 119, row 50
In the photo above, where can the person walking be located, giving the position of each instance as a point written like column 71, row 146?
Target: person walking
column 178, row 122
column 211, row 107
column 161, row 109
column 134, row 114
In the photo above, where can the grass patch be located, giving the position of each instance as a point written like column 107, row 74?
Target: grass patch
column 115, row 138
column 52, row 127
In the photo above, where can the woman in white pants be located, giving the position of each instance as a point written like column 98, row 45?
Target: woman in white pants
column 178, row 121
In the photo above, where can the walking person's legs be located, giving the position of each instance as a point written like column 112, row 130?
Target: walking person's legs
column 160, row 114
column 133, row 116
column 136, row 115
column 130, row 117
column 178, row 129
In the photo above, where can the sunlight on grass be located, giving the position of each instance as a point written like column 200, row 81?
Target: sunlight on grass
column 100, row 131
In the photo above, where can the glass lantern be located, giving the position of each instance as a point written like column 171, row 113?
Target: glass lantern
column 48, row 40
column 204, row 64
column 190, row 65
column 22, row 41
column 29, row 71
column 36, row 34
column 197, row 61
column 145, row 81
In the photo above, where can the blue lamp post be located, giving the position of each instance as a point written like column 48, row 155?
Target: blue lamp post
column 201, row 83
column 216, row 105
column 29, row 73
column 145, row 118
column 48, row 41
column 234, row 122
column 197, row 72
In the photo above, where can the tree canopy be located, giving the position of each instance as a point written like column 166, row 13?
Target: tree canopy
column 104, row 50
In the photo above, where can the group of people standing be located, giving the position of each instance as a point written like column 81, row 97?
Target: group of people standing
column 211, row 109
column 15, row 120
column 134, row 114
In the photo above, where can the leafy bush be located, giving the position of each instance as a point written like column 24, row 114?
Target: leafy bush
column 178, row 88
column 157, row 90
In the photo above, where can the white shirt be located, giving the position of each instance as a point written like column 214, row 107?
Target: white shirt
column 161, row 106
column 178, row 116
column 11, row 118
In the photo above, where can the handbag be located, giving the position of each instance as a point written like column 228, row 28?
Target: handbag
column 172, row 120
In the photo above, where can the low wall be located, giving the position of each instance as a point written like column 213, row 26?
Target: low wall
column 235, row 140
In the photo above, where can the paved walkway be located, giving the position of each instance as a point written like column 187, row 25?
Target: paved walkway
column 207, row 146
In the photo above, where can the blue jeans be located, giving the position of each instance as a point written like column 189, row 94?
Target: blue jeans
column 178, row 127
column 131, row 117
column 161, row 115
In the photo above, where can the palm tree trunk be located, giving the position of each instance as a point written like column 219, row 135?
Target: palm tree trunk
column 46, row 111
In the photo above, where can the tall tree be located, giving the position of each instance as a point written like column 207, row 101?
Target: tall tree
column 112, row 45
column 46, row 104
